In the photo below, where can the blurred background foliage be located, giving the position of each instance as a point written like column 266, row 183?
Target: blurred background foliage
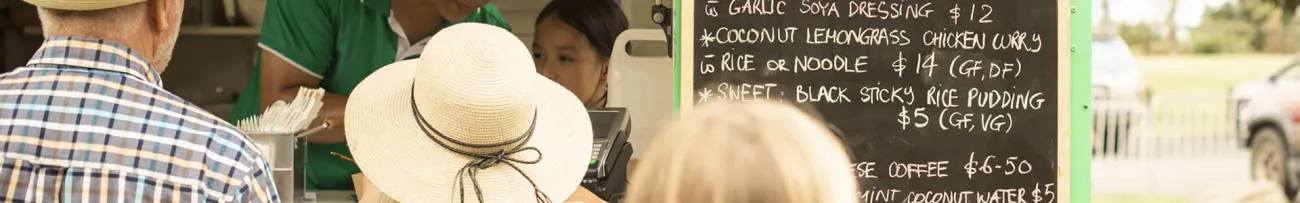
column 1241, row 26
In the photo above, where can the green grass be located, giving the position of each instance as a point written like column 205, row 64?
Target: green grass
column 1206, row 73
column 1127, row 198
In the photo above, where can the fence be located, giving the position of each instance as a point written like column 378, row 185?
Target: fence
column 1177, row 125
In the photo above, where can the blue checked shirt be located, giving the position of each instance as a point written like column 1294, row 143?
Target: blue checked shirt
column 87, row 120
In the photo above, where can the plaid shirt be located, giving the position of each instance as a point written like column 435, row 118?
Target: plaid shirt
column 87, row 120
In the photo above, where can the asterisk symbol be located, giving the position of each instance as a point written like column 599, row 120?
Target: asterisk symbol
column 704, row 96
column 706, row 38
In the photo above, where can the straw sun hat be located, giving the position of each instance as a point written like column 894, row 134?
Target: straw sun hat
column 471, row 119
column 81, row 5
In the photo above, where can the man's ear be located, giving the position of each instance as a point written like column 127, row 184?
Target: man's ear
column 161, row 12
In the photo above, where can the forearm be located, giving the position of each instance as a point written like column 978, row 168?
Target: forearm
column 332, row 111
column 583, row 195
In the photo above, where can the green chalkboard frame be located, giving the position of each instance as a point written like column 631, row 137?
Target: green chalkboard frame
column 1078, row 186
column 1080, row 100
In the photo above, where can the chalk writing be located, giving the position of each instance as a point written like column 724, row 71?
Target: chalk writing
column 819, row 8
column 938, row 100
column 857, row 36
column 737, row 62
column 927, row 63
column 922, row 119
column 917, row 170
column 724, row 35
column 879, row 195
column 1003, row 99
column 1038, row 193
column 821, row 93
column 709, row 10
column 889, row 10
column 1012, row 166
column 758, row 7
column 984, row 9
column 972, row 68
column 836, row 64
column 738, row 92
column 953, row 120
column 887, row 95
column 941, row 97
column 864, row 169
column 948, row 109
column 970, row 40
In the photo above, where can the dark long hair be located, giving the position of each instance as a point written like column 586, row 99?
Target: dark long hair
column 601, row 21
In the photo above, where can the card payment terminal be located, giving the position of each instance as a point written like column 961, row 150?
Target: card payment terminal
column 610, row 152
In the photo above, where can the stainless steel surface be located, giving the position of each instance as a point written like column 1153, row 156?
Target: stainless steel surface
column 279, row 149
column 313, row 130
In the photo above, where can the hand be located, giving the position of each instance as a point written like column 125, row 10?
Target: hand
column 583, row 195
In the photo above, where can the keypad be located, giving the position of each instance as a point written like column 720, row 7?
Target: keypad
column 595, row 151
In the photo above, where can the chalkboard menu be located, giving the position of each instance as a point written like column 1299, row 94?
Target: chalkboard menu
column 938, row 100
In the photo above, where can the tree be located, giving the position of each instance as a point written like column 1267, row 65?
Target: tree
column 1105, row 13
column 1246, row 25
column 1171, row 26
column 1288, row 7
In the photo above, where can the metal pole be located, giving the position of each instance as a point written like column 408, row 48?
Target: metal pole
column 663, row 16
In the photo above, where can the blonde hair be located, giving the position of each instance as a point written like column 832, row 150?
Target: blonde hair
column 753, row 152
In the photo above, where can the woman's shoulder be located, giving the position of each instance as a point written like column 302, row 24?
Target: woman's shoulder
column 488, row 14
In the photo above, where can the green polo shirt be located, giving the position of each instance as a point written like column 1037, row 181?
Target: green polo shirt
column 341, row 42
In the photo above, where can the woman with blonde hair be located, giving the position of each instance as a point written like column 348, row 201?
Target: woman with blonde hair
column 751, row 152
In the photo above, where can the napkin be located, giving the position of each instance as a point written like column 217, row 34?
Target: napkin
column 287, row 117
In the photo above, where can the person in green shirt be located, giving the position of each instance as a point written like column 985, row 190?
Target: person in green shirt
column 334, row 44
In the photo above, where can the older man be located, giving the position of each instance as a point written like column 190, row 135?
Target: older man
column 87, row 120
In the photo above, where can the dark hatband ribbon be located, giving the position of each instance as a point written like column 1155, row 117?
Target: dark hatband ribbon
column 483, row 160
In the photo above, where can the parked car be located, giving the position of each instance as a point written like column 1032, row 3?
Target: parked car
column 1268, row 110
column 1119, row 96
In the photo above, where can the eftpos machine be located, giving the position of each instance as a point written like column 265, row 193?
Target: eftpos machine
column 607, row 174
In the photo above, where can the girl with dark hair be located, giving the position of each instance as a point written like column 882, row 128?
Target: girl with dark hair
column 574, row 41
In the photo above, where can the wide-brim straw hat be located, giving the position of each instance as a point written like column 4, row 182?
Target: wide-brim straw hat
column 475, row 84
column 81, row 5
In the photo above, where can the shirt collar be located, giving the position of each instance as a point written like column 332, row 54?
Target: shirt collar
column 94, row 53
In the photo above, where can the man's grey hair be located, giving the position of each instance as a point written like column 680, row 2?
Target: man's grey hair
column 113, row 23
